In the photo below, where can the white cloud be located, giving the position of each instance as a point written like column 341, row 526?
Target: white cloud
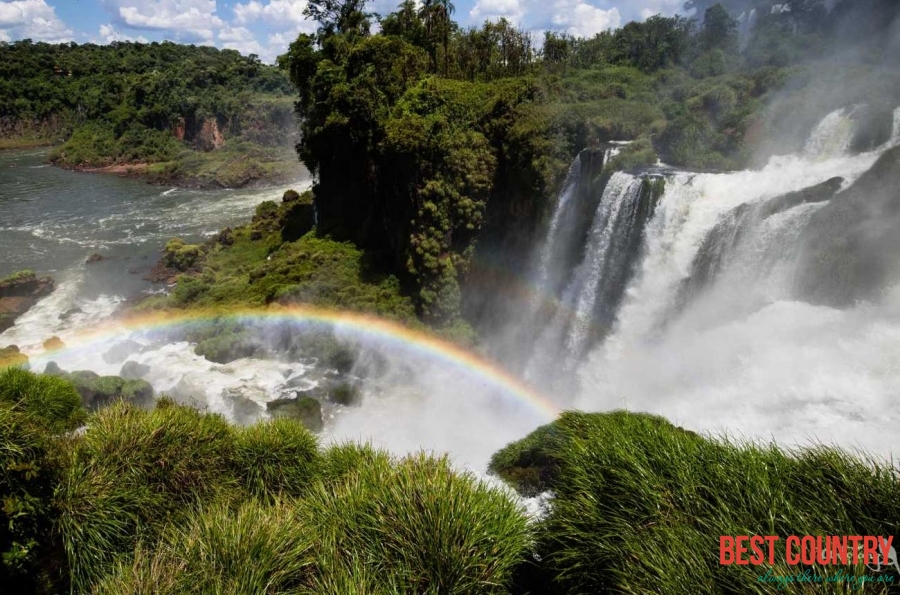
column 242, row 40
column 283, row 19
column 493, row 10
column 33, row 19
column 664, row 7
column 187, row 20
column 279, row 14
column 584, row 20
column 109, row 34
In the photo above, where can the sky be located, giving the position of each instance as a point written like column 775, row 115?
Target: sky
column 266, row 27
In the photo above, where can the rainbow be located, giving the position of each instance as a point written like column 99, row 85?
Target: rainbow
column 359, row 325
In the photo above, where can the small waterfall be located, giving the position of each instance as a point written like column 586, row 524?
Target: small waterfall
column 832, row 136
column 559, row 231
column 895, row 134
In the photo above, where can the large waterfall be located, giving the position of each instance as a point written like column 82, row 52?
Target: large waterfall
column 719, row 304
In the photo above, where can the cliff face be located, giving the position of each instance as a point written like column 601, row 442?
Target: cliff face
column 849, row 247
column 18, row 293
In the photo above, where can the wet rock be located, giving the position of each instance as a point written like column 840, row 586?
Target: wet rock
column 345, row 393
column 849, row 247
column 133, row 370
column 227, row 347
column 818, row 193
column 306, row 410
column 121, row 351
column 53, row 343
column 70, row 313
column 18, row 293
column 99, row 391
column 290, row 196
column 874, row 126
column 244, row 410
column 11, row 356
column 93, row 258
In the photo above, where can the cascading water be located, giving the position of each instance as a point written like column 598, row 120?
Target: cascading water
column 592, row 291
column 832, row 137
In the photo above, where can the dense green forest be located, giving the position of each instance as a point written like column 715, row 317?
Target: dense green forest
column 197, row 115
column 431, row 141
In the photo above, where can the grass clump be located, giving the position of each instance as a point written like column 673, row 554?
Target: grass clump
column 50, row 401
column 257, row 548
column 276, row 458
column 134, row 470
column 417, row 525
column 640, row 503
column 30, row 552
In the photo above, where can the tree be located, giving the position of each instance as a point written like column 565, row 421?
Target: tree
column 719, row 31
column 339, row 17
column 405, row 23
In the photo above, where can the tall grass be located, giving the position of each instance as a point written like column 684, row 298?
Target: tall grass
column 257, row 549
column 48, row 400
column 276, row 458
column 418, row 526
column 640, row 505
column 131, row 473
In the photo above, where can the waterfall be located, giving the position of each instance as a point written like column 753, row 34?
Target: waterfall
column 832, row 136
column 895, row 134
column 586, row 306
column 559, row 231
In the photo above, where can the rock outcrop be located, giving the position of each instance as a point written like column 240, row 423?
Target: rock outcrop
column 849, row 247
column 18, row 293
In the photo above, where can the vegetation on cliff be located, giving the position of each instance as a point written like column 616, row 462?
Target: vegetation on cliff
column 428, row 139
column 200, row 116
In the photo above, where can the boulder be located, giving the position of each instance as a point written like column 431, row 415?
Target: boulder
column 121, row 351
column 133, row 370
column 99, row 391
column 18, row 293
column 306, row 410
column 93, row 258
column 53, row 343
column 344, row 393
column 11, row 356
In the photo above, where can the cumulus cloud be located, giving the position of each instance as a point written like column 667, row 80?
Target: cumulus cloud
column 663, row 7
column 279, row 14
column 34, row 19
column 492, row 10
column 582, row 19
column 109, row 34
column 283, row 19
column 242, row 40
column 187, row 20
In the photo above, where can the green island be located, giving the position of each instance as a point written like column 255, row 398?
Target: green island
column 432, row 146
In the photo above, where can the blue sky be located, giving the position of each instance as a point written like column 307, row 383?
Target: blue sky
column 265, row 27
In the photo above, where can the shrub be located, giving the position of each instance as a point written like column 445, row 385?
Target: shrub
column 31, row 558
